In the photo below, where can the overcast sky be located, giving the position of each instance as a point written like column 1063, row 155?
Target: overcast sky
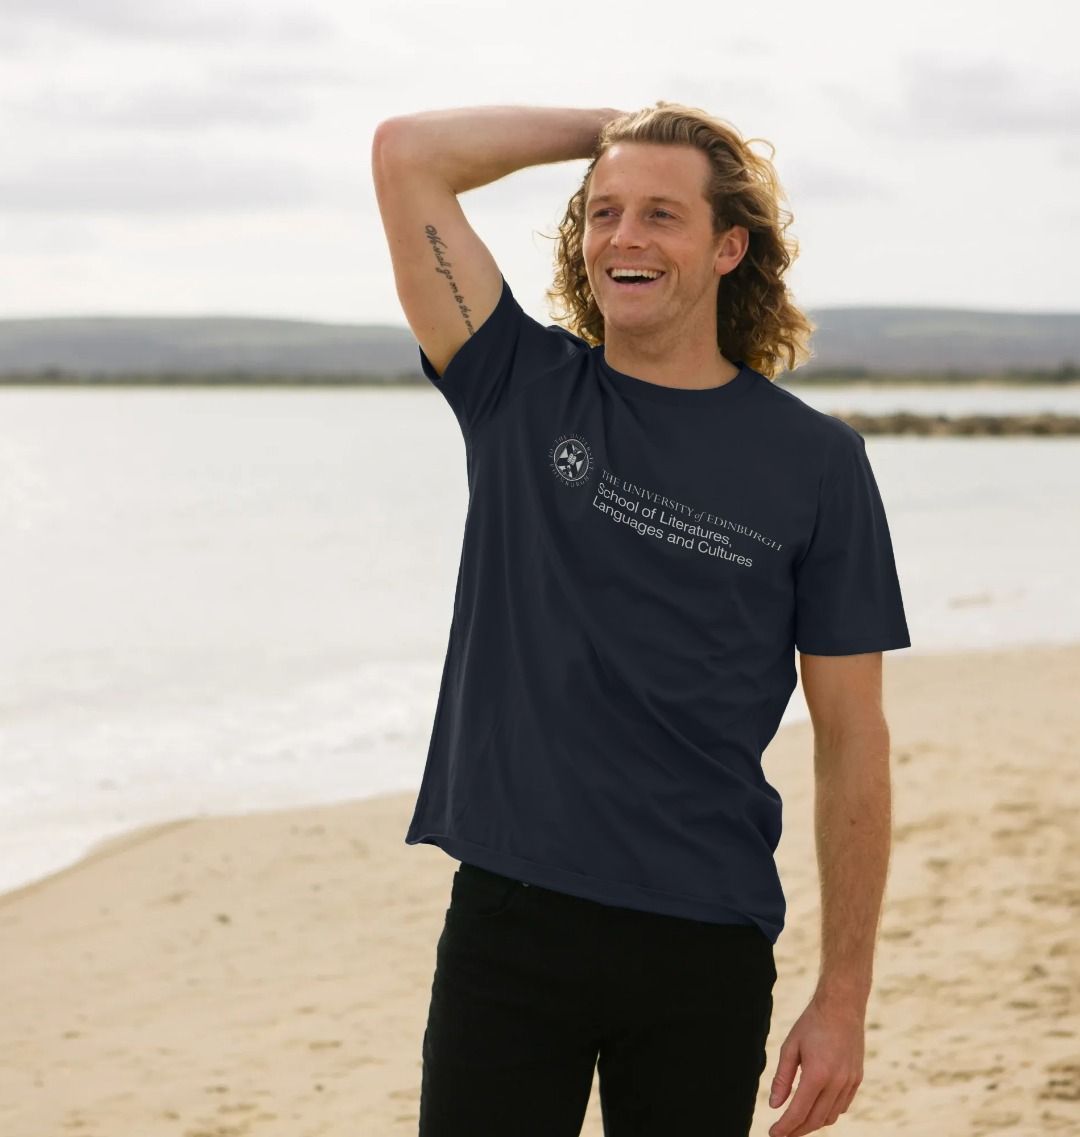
column 212, row 157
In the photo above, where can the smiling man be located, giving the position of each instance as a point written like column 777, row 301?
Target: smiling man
column 654, row 530
column 649, row 265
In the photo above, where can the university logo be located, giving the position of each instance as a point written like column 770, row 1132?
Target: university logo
column 571, row 460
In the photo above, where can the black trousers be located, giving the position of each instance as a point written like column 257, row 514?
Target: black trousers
column 535, row 990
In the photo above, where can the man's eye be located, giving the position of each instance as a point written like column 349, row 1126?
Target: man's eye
column 601, row 212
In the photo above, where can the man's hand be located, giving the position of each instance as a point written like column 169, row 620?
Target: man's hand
column 827, row 1041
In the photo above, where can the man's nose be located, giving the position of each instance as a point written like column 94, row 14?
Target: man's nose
column 627, row 232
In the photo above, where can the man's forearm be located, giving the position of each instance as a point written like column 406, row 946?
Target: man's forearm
column 472, row 146
column 853, row 824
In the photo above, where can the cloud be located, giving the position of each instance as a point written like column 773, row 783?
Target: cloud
column 804, row 179
column 168, row 107
column 287, row 75
column 154, row 180
column 970, row 100
column 198, row 20
column 992, row 97
column 236, row 92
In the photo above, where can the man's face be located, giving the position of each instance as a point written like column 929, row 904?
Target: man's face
column 625, row 227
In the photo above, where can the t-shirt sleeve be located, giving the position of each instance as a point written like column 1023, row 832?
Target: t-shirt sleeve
column 847, row 594
column 503, row 355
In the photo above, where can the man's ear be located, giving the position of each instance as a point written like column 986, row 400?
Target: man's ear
column 734, row 239
column 721, row 241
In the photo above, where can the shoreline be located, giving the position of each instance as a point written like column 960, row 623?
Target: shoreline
column 135, row 835
column 269, row 972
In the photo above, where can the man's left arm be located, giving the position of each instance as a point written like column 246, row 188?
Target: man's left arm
column 852, row 818
column 853, row 823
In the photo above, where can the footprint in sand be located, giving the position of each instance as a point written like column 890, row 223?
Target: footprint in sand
column 1063, row 1082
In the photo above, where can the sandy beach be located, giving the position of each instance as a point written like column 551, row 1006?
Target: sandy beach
column 270, row 974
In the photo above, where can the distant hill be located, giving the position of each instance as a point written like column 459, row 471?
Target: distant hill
column 203, row 345
column 935, row 340
column 850, row 341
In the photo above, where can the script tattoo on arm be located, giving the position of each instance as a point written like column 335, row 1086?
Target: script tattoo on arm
column 438, row 247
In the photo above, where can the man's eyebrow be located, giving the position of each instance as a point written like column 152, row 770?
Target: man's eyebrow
column 651, row 197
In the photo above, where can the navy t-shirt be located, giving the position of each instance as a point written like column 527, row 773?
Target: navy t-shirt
column 639, row 565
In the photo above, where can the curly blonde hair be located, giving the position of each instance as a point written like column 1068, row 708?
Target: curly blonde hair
column 756, row 321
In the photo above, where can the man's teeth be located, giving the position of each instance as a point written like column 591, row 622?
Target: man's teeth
column 616, row 273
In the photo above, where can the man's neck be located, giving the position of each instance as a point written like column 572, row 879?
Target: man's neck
column 691, row 368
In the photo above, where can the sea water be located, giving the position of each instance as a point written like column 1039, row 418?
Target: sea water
column 219, row 601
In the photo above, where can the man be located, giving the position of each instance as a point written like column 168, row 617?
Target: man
column 654, row 527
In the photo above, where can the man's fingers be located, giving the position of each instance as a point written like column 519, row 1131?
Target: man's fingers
column 843, row 1102
column 823, row 1112
column 805, row 1097
column 785, row 1075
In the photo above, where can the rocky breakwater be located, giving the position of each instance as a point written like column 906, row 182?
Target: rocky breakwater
column 905, row 422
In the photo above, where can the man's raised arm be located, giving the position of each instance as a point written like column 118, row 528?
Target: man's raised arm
column 447, row 280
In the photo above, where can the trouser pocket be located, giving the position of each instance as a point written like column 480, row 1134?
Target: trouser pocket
column 480, row 894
